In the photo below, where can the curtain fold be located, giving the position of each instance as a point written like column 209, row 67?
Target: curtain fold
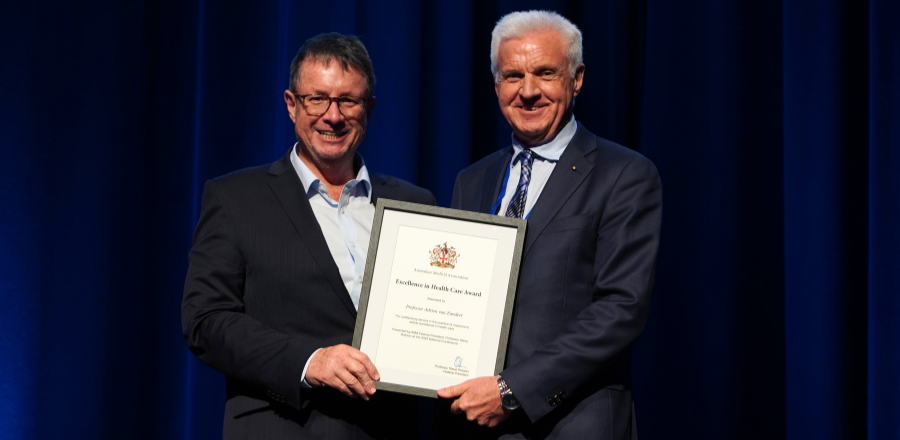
column 826, row 227
column 883, row 385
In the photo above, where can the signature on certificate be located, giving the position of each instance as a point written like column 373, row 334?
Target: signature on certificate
column 458, row 362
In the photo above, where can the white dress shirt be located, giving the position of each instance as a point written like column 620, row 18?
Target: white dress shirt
column 546, row 156
column 346, row 225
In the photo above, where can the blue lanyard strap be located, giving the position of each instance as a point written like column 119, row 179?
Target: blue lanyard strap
column 502, row 189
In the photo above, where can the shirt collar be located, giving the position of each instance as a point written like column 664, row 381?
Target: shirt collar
column 552, row 149
column 311, row 182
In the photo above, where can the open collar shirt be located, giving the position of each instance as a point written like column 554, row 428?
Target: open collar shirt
column 346, row 223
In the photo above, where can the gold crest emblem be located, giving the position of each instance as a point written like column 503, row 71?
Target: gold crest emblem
column 444, row 256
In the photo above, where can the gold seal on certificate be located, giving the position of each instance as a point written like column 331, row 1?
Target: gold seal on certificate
column 437, row 296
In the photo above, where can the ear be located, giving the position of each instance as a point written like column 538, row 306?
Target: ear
column 579, row 76
column 291, row 105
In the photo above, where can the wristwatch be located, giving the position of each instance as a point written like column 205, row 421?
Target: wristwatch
column 507, row 399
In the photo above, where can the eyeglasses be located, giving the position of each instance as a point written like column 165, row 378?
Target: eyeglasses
column 317, row 105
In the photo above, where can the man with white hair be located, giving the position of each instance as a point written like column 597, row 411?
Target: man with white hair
column 594, row 210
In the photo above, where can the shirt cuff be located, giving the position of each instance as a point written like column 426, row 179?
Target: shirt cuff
column 303, row 382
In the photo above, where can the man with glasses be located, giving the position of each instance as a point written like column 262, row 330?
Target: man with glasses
column 277, row 264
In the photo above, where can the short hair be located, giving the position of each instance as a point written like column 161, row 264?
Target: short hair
column 517, row 24
column 332, row 46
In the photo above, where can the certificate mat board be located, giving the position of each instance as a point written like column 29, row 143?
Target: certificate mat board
column 437, row 297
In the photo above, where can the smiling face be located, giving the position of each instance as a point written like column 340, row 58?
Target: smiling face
column 535, row 86
column 329, row 140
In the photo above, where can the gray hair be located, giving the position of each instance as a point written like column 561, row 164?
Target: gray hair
column 517, row 24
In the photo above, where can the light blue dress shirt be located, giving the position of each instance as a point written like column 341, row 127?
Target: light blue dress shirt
column 346, row 225
column 545, row 159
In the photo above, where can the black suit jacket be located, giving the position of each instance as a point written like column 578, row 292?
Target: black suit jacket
column 263, row 293
column 583, row 293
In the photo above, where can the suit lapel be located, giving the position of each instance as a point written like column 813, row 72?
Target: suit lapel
column 562, row 184
column 288, row 190
column 493, row 181
column 379, row 186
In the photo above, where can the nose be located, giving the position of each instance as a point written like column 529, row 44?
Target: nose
column 333, row 113
column 531, row 88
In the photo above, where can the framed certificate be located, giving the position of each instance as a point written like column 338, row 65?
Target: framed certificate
column 438, row 294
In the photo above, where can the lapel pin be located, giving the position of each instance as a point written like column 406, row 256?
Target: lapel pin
column 573, row 167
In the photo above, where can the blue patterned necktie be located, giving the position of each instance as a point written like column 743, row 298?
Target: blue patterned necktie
column 517, row 203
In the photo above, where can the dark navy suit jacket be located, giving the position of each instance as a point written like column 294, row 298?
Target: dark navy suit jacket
column 583, row 292
column 263, row 293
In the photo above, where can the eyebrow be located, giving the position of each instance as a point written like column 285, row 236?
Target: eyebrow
column 547, row 67
column 541, row 68
column 323, row 93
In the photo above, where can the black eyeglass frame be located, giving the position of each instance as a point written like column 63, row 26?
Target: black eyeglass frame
column 331, row 99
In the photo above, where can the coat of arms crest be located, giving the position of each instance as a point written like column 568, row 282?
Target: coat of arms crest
column 443, row 256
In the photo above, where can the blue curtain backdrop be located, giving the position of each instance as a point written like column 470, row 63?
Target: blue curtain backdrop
column 775, row 126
